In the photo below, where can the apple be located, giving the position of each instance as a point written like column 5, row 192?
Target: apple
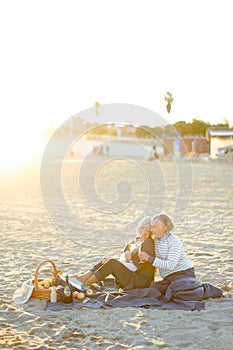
column 89, row 292
column 81, row 295
column 75, row 295
column 46, row 286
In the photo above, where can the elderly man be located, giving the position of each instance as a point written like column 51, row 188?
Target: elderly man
column 170, row 257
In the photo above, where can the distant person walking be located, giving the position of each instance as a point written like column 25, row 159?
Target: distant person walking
column 101, row 150
column 107, row 150
column 153, row 153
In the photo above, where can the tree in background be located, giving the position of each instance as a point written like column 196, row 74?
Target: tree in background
column 103, row 129
column 143, row 131
column 197, row 127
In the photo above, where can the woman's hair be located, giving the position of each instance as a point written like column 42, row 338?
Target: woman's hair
column 166, row 219
column 146, row 221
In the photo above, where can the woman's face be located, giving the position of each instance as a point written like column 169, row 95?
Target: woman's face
column 144, row 231
column 158, row 229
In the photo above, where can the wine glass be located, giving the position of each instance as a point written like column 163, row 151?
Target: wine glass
column 130, row 245
column 139, row 244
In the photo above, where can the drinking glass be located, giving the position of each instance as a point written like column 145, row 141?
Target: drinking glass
column 139, row 251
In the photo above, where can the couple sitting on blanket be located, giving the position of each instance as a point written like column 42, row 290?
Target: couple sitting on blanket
column 138, row 263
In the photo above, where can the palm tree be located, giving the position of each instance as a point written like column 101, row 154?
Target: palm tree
column 168, row 99
column 97, row 105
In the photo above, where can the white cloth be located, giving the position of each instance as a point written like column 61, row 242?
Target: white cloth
column 129, row 265
column 74, row 282
column 23, row 294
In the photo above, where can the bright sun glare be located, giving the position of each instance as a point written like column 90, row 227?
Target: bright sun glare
column 19, row 148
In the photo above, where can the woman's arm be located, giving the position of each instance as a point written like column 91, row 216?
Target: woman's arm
column 126, row 256
column 148, row 247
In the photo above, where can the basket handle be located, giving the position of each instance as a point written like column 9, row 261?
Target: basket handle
column 55, row 271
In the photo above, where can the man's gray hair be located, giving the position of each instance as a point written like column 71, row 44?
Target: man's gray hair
column 165, row 218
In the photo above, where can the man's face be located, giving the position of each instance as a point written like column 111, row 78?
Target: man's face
column 158, row 228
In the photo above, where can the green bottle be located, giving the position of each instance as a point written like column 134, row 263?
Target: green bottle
column 67, row 293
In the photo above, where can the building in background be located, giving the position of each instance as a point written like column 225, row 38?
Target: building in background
column 218, row 138
column 185, row 146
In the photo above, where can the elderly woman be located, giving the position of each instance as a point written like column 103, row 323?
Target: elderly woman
column 171, row 258
column 129, row 272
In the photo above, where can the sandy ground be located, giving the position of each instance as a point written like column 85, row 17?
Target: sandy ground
column 105, row 205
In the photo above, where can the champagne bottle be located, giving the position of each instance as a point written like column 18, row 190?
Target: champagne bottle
column 67, row 293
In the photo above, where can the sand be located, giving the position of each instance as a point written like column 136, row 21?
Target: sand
column 64, row 229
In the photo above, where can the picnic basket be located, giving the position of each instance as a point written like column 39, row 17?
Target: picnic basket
column 44, row 293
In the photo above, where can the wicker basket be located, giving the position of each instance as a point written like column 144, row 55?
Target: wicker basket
column 44, row 293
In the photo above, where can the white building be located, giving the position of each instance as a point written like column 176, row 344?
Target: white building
column 218, row 138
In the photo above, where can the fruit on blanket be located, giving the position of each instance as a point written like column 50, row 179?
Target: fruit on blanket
column 81, row 295
column 75, row 295
column 89, row 292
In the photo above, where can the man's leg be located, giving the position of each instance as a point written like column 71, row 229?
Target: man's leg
column 162, row 286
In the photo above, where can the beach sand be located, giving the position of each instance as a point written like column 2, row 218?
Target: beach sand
column 107, row 210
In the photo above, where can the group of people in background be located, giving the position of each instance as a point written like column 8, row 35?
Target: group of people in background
column 103, row 150
column 100, row 150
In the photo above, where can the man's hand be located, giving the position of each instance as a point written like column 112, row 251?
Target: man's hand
column 143, row 256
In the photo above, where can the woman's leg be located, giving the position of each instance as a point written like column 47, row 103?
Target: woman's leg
column 112, row 267
column 84, row 277
column 90, row 280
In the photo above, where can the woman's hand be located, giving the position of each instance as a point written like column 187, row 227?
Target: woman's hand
column 143, row 256
column 127, row 256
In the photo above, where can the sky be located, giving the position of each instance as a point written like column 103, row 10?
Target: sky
column 59, row 57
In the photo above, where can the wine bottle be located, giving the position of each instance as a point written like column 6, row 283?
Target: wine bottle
column 53, row 295
column 67, row 293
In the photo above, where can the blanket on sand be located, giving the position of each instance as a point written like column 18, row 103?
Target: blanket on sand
column 184, row 294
